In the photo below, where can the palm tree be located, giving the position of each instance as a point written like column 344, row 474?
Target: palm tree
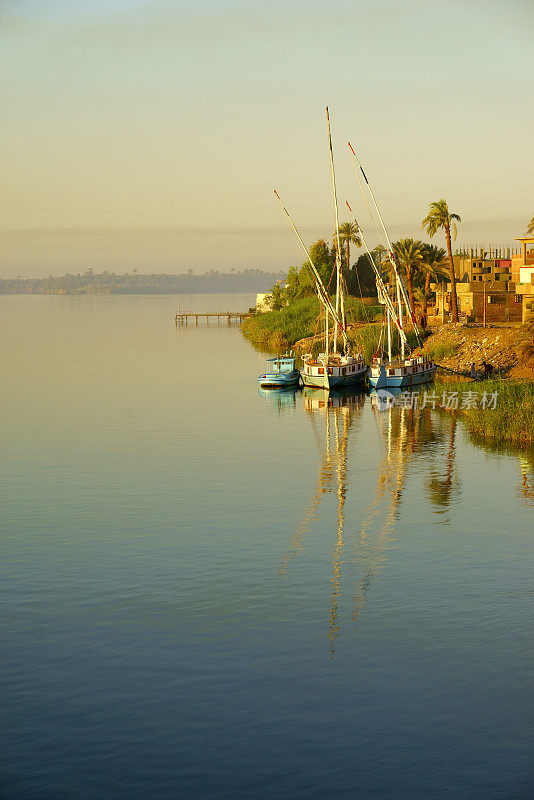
column 348, row 233
column 410, row 257
column 439, row 217
column 422, row 296
column 434, row 266
column 530, row 229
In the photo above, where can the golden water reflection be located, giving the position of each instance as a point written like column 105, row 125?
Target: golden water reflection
column 404, row 436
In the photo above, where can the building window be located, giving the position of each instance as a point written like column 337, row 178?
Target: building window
column 320, row 371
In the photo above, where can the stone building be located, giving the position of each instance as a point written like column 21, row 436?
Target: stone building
column 523, row 268
column 501, row 283
column 501, row 304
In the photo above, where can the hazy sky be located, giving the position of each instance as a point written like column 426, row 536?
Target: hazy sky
column 150, row 135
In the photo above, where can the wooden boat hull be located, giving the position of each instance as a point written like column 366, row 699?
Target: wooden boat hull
column 279, row 380
column 333, row 381
column 385, row 381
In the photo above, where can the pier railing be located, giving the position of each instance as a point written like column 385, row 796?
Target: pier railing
column 183, row 318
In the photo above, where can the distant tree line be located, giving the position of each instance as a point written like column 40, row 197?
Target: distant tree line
column 90, row 282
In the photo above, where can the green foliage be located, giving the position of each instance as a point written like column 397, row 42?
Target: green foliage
column 357, row 311
column 434, row 263
column 348, row 234
column 278, row 297
column 530, row 229
column 324, row 260
column 440, row 351
column 439, row 217
column 317, row 347
column 410, row 257
column 299, row 320
column 367, row 339
column 293, row 322
column 362, row 276
column 512, row 420
column 409, row 252
column 301, row 283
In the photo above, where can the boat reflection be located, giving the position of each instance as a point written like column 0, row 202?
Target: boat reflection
column 340, row 411
column 525, row 491
column 404, row 435
column 281, row 399
column 359, row 554
column 417, row 453
column 336, row 411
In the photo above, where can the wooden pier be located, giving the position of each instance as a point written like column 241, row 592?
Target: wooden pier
column 183, row 318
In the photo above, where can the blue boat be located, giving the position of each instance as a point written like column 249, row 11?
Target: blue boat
column 284, row 399
column 401, row 374
column 281, row 373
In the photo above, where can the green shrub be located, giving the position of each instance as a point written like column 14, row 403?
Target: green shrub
column 317, row 347
column 441, row 351
column 511, row 420
column 300, row 319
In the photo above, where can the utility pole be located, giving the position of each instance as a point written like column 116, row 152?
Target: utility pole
column 485, row 282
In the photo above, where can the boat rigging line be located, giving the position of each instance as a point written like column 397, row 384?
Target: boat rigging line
column 391, row 252
column 340, row 305
column 321, row 290
column 380, row 283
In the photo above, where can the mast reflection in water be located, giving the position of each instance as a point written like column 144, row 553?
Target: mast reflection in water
column 402, row 435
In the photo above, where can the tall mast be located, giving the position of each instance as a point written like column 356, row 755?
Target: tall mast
column 321, row 289
column 391, row 253
column 399, row 305
column 336, row 228
column 382, row 289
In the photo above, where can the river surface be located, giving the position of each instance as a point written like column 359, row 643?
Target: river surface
column 213, row 592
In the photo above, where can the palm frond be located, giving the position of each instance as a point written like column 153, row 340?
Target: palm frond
column 439, row 217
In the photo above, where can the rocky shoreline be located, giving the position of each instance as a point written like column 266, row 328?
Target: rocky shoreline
column 508, row 348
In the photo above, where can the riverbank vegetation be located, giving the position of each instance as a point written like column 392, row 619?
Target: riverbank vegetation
column 293, row 309
column 283, row 327
column 497, row 411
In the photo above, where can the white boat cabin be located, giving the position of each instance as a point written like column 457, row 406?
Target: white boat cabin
column 281, row 364
column 335, row 365
column 398, row 369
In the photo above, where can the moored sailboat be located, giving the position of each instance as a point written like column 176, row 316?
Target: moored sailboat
column 336, row 366
column 406, row 370
column 282, row 373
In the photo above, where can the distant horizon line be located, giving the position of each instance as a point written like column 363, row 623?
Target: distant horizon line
column 189, row 273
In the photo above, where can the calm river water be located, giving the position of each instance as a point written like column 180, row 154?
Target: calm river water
column 209, row 592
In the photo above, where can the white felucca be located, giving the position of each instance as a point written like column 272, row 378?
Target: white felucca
column 337, row 367
column 406, row 370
